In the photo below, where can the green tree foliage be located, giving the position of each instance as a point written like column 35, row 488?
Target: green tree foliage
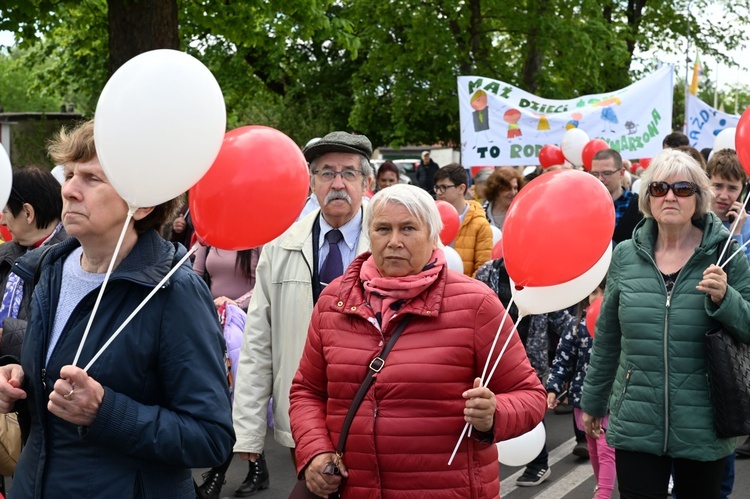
column 386, row 69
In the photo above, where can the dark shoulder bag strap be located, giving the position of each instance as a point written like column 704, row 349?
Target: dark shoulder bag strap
column 375, row 366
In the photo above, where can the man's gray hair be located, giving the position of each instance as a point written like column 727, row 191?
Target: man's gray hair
column 417, row 202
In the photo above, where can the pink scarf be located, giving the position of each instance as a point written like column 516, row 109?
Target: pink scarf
column 386, row 295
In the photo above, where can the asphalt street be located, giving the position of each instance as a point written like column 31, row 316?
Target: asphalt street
column 571, row 477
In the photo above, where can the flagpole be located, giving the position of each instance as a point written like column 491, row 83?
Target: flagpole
column 687, row 69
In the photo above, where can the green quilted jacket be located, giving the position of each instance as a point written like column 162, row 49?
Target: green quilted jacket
column 649, row 361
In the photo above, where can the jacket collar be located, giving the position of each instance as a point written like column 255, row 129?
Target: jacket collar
column 350, row 294
column 714, row 234
column 147, row 263
column 295, row 238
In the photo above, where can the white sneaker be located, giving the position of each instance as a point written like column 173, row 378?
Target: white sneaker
column 671, row 485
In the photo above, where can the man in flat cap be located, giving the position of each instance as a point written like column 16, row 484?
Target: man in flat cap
column 291, row 274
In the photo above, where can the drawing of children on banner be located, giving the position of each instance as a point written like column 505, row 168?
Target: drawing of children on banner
column 574, row 122
column 608, row 113
column 511, row 117
column 481, row 114
column 543, row 125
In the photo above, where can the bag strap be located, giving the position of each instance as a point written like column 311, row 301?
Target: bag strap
column 375, row 367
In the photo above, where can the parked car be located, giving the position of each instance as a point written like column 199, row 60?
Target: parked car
column 404, row 177
column 408, row 167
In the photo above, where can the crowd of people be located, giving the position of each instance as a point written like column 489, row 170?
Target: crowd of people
column 350, row 338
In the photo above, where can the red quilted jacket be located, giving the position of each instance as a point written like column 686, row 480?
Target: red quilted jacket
column 407, row 426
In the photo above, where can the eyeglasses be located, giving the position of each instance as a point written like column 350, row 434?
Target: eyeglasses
column 681, row 189
column 605, row 173
column 329, row 175
column 442, row 188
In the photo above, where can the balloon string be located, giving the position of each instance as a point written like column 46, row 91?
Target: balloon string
column 494, row 343
column 731, row 231
column 131, row 212
column 467, row 426
column 142, row 304
column 736, row 252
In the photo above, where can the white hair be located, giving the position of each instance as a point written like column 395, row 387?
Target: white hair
column 417, row 202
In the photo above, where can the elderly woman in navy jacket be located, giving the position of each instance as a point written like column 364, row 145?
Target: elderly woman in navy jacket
column 156, row 403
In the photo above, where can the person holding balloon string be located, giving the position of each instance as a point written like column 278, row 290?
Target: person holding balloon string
column 569, row 368
column 427, row 388
column 112, row 429
column 649, row 361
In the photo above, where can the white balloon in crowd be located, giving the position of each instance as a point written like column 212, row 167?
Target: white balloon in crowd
column 523, row 449
column 6, row 177
column 159, row 125
column 725, row 140
column 453, row 259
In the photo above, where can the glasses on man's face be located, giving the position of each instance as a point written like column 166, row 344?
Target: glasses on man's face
column 604, row 173
column 682, row 189
column 442, row 188
column 347, row 175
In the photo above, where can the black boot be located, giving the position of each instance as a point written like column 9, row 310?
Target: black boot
column 257, row 478
column 211, row 486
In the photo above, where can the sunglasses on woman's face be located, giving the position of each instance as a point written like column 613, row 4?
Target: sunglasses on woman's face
column 681, row 189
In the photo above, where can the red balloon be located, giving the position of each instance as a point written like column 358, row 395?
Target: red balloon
column 497, row 250
column 590, row 149
column 742, row 140
column 592, row 313
column 557, row 227
column 551, row 155
column 253, row 192
column 4, row 232
column 634, row 167
column 645, row 162
column 451, row 221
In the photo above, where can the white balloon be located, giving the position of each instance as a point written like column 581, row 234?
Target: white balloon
column 497, row 234
column 453, row 259
column 572, row 144
column 6, row 177
column 543, row 299
column 523, row 449
column 160, row 122
column 725, row 140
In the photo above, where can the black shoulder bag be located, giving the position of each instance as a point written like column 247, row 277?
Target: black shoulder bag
column 300, row 490
column 729, row 383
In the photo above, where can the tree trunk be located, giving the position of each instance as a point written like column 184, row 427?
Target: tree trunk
column 137, row 26
column 533, row 59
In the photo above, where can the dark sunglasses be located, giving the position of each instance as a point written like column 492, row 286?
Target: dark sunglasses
column 681, row 189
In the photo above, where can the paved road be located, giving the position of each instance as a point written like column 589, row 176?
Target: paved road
column 571, row 478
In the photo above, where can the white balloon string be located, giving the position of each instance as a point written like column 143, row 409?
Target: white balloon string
column 494, row 343
column 455, row 449
column 131, row 212
column 731, row 231
column 741, row 249
column 467, row 426
column 497, row 362
column 142, row 304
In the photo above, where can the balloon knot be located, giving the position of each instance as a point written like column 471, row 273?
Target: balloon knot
column 519, row 288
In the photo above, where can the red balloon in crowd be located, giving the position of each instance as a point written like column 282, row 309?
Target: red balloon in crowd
column 451, row 221
column 4, row 232
column 742, row 140
column 645, row 162
column 497, row 250
column 634, row 167
column 590, row 149
column 592, row 313
column 551, row 155
column 253, row 192
column 557, row 228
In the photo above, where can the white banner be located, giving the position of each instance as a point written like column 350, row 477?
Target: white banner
column 704, row 122
column 502, row 125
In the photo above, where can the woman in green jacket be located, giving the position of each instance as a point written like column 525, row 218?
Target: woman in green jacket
column 649, row 361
